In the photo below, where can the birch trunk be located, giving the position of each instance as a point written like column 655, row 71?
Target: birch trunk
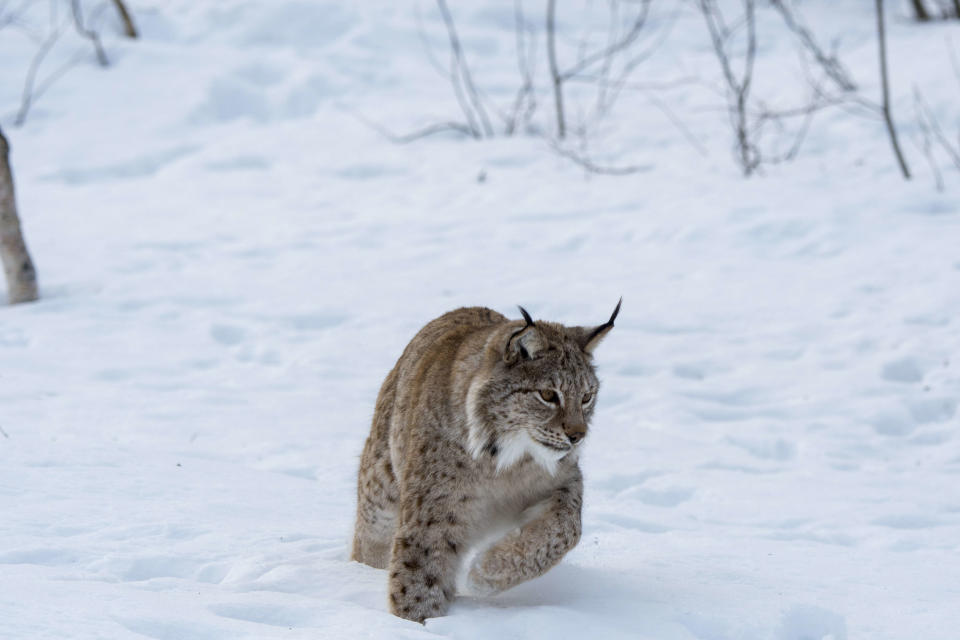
column 21, row 276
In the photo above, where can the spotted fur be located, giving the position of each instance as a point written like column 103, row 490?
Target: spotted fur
column 470, row 472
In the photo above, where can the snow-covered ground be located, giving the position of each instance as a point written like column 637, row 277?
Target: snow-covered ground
column 231, row 260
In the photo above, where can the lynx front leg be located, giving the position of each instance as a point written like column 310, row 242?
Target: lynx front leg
column 535, row 548
column 426, row 551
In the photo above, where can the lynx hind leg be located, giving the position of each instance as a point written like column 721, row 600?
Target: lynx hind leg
column 377, row 497
column 377, row 491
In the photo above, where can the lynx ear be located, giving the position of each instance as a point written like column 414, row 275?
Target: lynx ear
column 590, row 338
column 525, row 343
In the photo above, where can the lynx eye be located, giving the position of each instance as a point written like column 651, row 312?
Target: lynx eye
column 588, row 397
column 549, row 395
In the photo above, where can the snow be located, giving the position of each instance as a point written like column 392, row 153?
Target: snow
column 231, row 260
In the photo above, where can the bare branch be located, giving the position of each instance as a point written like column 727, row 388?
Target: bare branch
column 926, row 140
column 462, row 70
column 738, row 88
column 556, row 77
column 525, row 94
column 617, row 85
column 928, row 120
column 920, row 11
column 682, row 128
column 593, row 167
column 429, row 130
column 600, row 56
column 427, row 47
column 954, row 63
column 885, row 84
column 27, row 98
column 129, row 29
column 834, row 69
column 89, row 34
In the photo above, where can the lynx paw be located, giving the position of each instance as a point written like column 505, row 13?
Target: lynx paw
column 487, row 575
column 417, row 600
column 479, row 584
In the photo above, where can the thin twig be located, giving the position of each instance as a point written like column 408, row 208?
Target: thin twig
column 885, row 84
column 926, row 143
column 4, row 433
column 429, row 130
column 556, row 78
column 954, row 64
column 89, row 34
column 129, row 29
column 682, row 128
column 598, row 56
column 462, row 68
column 26, row 100
column 934, row 127
column 617, row 85
column 738, row 88
column 593, row 167
column 834, row 69
column 666, row 85
column 525, row 94
column 427, row 47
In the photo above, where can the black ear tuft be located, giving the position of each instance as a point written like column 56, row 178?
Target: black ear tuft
column 526, row 316
column 592, row 338
column 525, row 343
column 616, row 312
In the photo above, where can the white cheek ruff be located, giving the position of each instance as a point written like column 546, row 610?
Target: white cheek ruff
column 514, row 446
column 511, row 448
column 547, row 457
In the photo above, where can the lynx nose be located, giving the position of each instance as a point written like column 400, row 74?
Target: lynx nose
column 575, row 433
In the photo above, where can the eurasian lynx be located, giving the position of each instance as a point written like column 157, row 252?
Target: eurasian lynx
column 470, row 475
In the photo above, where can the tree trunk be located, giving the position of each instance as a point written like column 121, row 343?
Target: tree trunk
column 21, row 276
column 920, row 11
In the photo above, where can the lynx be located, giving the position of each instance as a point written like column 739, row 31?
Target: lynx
column 469, row 481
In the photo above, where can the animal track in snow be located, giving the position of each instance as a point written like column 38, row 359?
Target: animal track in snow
column 140, row 167
column 628, row 522
column 148, row 568
column 227, row 335
column 669, row 497
column 809, row 622
column 269, row 614
column 893, row 420
column 775, row 449
column 47, row 557
column 932, row 409
column 171, row 629
column 905, row 370
column 907, row 521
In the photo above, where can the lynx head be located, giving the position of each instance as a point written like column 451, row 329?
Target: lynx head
column 537, row 394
